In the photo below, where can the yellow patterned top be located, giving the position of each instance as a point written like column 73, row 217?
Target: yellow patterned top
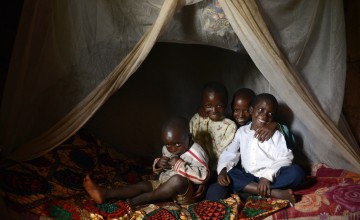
column 213, row 136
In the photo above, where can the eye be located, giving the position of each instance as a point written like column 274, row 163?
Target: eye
column 177, row 145
column 219, row 106
column 260, row 109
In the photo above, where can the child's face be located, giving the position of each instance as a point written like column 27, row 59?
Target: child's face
column 262, row 113
column 241, row 112
column 176, row 142
column 214, row 105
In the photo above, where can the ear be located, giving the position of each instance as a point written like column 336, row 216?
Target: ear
column 251, row 109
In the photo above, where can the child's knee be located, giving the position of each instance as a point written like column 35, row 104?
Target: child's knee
column 178, row 182
column 297, row 174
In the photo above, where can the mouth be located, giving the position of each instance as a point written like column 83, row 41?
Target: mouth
column 214, row 115
column 241, row 119
column 262, row 121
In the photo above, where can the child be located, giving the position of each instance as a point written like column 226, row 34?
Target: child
column 210, row 128
column 240, row 106
column 266, row 167
column 182, row 167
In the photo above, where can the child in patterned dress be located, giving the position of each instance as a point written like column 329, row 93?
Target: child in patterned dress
column 209, row 127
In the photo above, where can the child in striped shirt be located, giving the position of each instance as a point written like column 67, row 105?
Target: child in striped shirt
column 182, row 168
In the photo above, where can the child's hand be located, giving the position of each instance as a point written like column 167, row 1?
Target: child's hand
column 163, row 163
column 202, row 112
column 173, row 160
column 223, row 179
column 266, row 132
column 264, row 187
column 200, row 190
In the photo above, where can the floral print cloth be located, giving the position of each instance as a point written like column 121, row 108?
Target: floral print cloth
column 213, row 136
column 330, row 194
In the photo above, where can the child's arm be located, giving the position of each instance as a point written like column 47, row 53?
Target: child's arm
column 223, row 179
column 264, row 187
column 160, row 164
column 230, row 156
column 266, row 132
column 163, row 163
column 196, row 170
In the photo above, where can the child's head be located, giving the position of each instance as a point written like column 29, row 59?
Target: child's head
column 176, row 135
column 263, row 110
column 214, row 100
column 240, row 105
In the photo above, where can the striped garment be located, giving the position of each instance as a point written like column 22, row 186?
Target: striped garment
column 193, row 164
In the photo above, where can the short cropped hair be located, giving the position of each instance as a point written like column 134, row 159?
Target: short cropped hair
column 178, row 123
column 244, row 93
column 265, row 97
column 217, row 88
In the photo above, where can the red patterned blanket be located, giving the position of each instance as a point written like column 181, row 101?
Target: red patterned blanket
column 330, row 194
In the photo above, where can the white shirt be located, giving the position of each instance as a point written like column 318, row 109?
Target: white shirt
column 260, row 159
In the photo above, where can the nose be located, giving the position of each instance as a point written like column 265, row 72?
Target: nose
column 172, row 149
column 264, row 116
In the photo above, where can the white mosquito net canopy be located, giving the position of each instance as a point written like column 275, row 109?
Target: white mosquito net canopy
column 70, row 57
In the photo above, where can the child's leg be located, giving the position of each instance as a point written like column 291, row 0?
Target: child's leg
column 217, row 191
column 289, row 177
column 245, row 182
column 286, row 194
column 101, row 195
column 240, row 179
column 176, row 185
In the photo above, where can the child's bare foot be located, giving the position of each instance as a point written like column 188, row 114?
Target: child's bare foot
column 286, row 194
column 95, row 192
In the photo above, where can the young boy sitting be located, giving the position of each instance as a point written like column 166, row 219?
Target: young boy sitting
column 266, row 168
column 182, row 167
column 240, row 105
column 210, row 128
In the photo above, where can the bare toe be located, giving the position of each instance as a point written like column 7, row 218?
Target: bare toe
column 94, row 191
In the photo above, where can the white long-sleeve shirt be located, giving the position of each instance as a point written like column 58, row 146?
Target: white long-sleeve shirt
column 193, row 164
column 260, row 159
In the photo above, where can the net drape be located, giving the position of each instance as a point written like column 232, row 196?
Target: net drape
column 249, row 25
column 67, row 56
column 78, row 116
